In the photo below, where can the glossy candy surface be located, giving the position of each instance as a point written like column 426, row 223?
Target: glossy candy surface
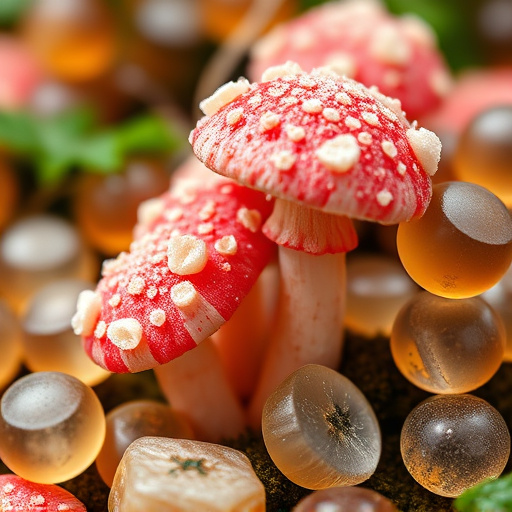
column 10, row 345
column 445, row 345
column 37, row 250
column 463, row 243
column 73, row 40
column 52, row 427
column 106, row 206
column 48, row 339
column 500, row 298
column 159, row 473
column 320, row 430
column 377, row 287
column 130, row 421
column 345, row 499
column 484, row 152
column 452, row 442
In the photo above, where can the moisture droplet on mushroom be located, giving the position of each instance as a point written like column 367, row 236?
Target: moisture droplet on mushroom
column 463, row 243
column 345, row 499
column 52, row 427
column 452, row 442
column 445, row 345
column 484, row 152
column 320, row 430
column 132, row 420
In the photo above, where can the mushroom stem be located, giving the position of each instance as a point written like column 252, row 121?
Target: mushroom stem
column 196, row 386
column 242, row 341
column 309, row 320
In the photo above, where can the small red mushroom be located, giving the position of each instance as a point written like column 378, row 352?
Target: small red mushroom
column 328, row 149
column 198, row 253
column 20, row 495
column 362, row 40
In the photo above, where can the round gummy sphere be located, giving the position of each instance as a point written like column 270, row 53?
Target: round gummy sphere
column 445, row 345
column 452, row 442
column 462, row 245
column 345, row 499
column 484, row 152
column 52, row 427
column 320, row 430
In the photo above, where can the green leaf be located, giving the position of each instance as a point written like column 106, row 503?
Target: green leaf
column 72, row 140
column 489, row 496
column 11, row 11
column 17, row 132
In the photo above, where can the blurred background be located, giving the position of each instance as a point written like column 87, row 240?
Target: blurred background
column 97, row 96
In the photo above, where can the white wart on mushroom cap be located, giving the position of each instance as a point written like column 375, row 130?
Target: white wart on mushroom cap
column 181, row 280
column 361, row 40
column 322, row 140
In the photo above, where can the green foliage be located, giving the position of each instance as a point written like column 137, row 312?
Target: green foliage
column 489, row 496
column 11, row 11
column 72, row 140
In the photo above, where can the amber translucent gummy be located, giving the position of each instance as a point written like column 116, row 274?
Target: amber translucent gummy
column 463, row 243
column 450, row 443
column 52, row 427
column 445, row 345
column 132, row 420
column 320, row 430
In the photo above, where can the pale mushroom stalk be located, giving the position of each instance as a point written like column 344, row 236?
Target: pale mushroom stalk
column 328, row 149
column 196, row 386
column 309, row 322
column 241, row 342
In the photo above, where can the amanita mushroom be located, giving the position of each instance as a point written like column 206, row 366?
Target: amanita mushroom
column 181, row 281
column 20, row 495
column 362, row 40
column 328, row 148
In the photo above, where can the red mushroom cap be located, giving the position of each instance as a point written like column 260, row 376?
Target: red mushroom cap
column 473, row 92
column 20, row 495
column 362, row 40
column 321, row 140
column 181, row 280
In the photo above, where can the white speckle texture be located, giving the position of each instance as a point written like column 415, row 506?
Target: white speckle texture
column 389, row 148
column 183, row 294
column 224, row 95
column 125, row 333
column 136, row 285
column 88, row 311
column 295, row 133
column 157, row 317
column 250, row 219
column 313, row 106
column 268, row 121
column 384, row 197
column 288, row 69
column 340, row 153
column 427, row 147
column 186, row 254
column 233, row 116
column 283, row 160
column 226, row 245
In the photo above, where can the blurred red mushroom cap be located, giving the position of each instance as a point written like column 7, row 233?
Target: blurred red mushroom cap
column 20, row 495
column 362, row 40
column 182, row 279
